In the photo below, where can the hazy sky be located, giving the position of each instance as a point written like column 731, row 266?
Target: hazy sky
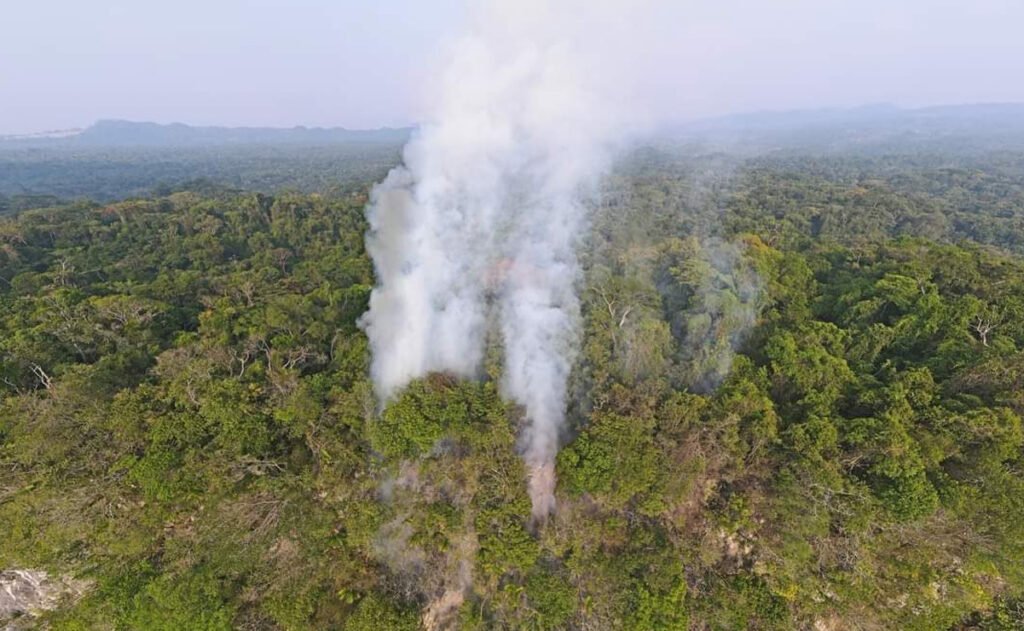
column 66, row 63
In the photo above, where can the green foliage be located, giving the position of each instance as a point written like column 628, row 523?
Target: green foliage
column 425, row 413
column 1006, row 615
column 614, row 459
column 374, row 612
column 504, row 541
column 812, row 416
column 746, row 602
column 193, row 601
column 552, row 599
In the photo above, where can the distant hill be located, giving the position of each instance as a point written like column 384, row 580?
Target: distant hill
column 883, row 125
column 873, row 127
column 119, row 133
column 117, row 159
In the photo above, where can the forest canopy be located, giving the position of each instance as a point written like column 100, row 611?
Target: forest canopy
column 798, row 405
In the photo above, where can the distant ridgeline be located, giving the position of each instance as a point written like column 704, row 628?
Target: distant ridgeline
column 117, row 159
column 120, row 133
column 114, row 160
column 868, row 129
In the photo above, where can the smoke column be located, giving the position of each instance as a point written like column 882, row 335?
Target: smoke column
column 480, row 225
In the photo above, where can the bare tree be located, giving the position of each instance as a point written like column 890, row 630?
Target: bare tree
column 984, row 324
column 63, row 274
column 44, row 379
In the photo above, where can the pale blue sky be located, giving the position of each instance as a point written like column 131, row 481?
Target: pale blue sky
column 66, row 63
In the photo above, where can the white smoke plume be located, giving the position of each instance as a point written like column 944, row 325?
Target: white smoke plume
column 482, row 222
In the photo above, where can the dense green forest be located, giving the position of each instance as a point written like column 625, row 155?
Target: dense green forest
column 29, row 176
column 798, row 406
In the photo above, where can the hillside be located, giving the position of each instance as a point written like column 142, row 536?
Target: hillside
column 798, row 406
column 119, row 133
column 875, row 129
